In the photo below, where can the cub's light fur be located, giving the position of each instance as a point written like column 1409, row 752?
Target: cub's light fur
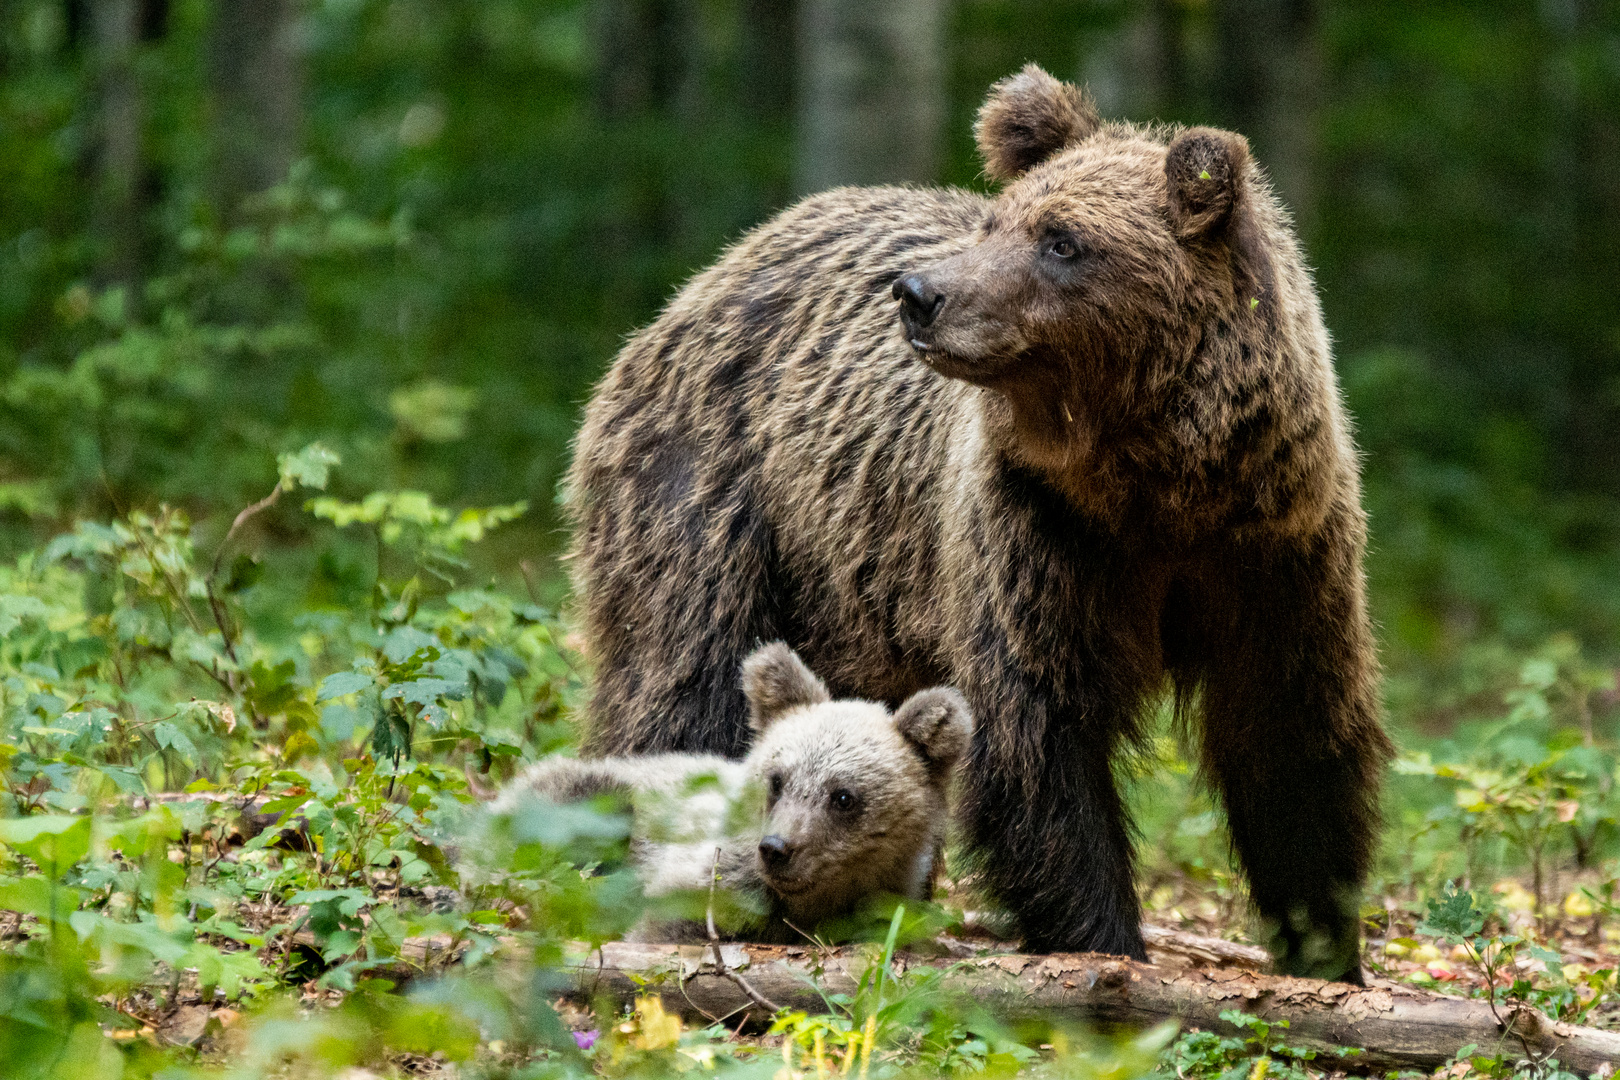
column 837, row 801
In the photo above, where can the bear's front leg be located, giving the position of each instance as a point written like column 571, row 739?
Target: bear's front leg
column 1046, row 823
column 1293, row 742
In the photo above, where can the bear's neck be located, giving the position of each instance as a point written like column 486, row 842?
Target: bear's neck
column 1182, row 445
column 1089, row 438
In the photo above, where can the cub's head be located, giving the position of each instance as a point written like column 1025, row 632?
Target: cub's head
column 855, row 795
column 1107, row 243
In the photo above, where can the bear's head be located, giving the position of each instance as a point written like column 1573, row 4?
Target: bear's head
column 1108, row 247
column 855, row 795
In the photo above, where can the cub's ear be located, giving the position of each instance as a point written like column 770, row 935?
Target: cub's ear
column 938, row 723
column 1206, row 171
column 775, row 680
column 1027, row 118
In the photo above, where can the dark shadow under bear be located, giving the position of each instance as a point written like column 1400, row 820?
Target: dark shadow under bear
column 1101, row 447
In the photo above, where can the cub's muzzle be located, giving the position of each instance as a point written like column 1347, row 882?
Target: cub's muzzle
column 775, row 853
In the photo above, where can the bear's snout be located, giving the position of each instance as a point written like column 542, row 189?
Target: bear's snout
column 775, row 852
column 920, row 302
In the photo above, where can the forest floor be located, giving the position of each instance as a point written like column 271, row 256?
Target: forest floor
column 178, row 1016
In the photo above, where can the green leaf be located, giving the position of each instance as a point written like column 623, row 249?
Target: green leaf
column 54, row 841
column 532, row 612
column 1453, row 915
column 227, row 970
column 144, row 936
column 1554, row 960
column 36, row 896
column 1539, row 673
column 391, row 736
column 170, row 737
column 432, row 411
column 14, row 610
column 426, row 691
column 148, row 833
column 471, row 524
column 340, row 683
column 308, row 467
column 404, row 642
column 285, row 804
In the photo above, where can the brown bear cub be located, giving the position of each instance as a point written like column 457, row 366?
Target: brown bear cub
column 1061, row 448
column 839, row 801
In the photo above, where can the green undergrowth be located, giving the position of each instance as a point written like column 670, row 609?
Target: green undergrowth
column 242, row 832
column 234, row 810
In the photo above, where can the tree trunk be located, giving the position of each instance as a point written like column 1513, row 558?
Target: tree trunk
column 1137, row 71
column 118, row 203
column 1399, row 1027
column 767, row 58
column 872, row 96
column 641, row 56
column 1266, row 87
column 256, row 80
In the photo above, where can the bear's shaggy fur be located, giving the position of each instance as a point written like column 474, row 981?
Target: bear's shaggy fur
column 839, row 801
column 1102, row 447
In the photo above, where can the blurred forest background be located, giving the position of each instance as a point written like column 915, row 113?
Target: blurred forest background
column 417, row 230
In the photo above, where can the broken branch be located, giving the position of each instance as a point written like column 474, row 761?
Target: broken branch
column 720, row 967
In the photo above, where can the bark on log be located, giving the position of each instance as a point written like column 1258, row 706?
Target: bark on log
column 1397, row 1026
column 1177, row 948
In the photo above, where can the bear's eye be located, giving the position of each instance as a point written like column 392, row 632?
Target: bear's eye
column 776, row 786
column 1062, row 247
column 844, row 800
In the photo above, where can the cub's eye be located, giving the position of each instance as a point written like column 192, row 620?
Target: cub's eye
column 1063, row 248
column 776, row 786
column 843, row 800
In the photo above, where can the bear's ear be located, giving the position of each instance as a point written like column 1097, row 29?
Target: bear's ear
column 775, row 680
column 938, row 723
column 1205, row 171
column 1027, row 118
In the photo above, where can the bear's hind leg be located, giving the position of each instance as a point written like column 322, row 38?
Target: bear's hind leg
column 676, row 562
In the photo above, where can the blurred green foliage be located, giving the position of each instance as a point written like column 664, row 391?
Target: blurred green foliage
column 201, row 819
column 488, row 196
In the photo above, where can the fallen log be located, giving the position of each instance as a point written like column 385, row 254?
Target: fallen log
column 1177, row 948
column 1396, row 1026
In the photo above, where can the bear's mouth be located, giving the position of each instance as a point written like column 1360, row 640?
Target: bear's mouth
column 789, row 886
column 981, row 370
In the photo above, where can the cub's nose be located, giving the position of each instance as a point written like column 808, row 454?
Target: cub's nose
column 919, row 301
column 775, row 851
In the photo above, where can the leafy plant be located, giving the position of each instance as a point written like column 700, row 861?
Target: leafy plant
column 1538, row 776
column 319, row 782
column 1456, row 917
column 1253, row 1053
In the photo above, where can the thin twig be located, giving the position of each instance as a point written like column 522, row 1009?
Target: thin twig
column 215, row 606
column 527, row 567
column 707, row 1015
column 1511, row 1025
column 241, row 519
column 719, row 962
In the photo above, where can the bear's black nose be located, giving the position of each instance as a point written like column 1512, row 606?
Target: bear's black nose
column 775, row 851
column 919, row 301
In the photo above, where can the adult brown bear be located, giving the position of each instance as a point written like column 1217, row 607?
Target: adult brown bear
column 1101, row 447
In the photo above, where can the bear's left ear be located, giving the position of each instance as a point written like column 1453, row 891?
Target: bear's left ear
column 1027, row 118
column 1206, row 171
column 938, row 723
column 775, row 680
